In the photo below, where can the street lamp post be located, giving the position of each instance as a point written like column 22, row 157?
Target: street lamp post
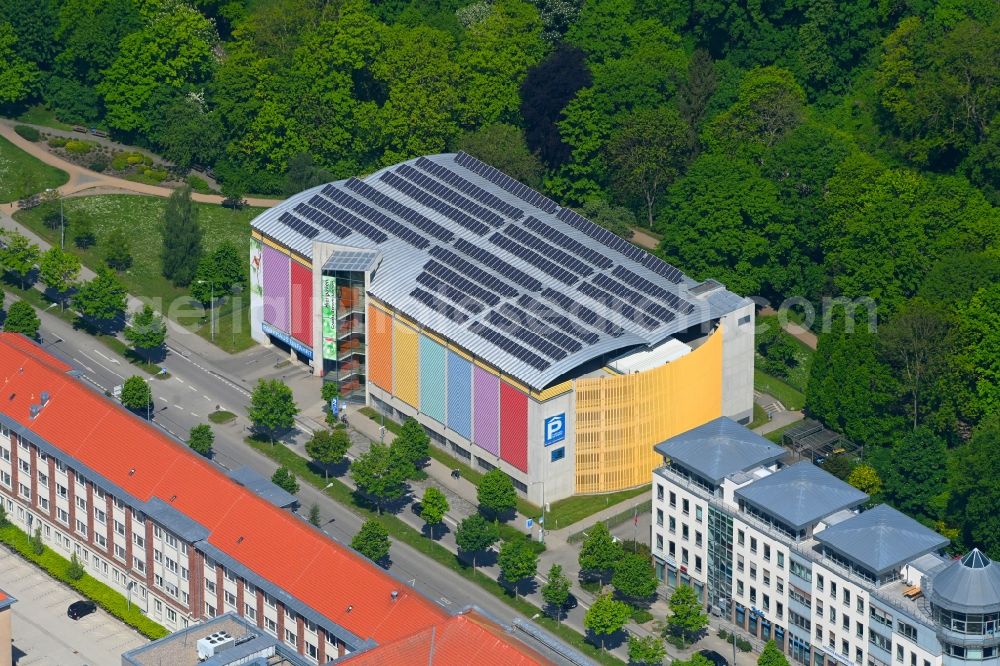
column 541, row 525
column 62, row 222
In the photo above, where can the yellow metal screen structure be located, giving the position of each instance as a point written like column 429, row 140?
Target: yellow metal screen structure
column 619, row 419
column 405, row 365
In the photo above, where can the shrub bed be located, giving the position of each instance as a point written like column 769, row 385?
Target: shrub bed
column 78, row 147
column 28, row 132
column 58, row 567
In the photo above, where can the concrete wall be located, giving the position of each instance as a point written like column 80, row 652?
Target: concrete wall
column 559, row 477
column 737, row 363
column 6, row 653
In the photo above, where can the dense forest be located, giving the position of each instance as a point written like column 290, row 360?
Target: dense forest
column 807, row 149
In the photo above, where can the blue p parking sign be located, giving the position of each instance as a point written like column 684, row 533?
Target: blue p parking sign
column 555, row 429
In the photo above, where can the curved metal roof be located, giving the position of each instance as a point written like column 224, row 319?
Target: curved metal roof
column 529, row 287
column 719, row 448
column 968, row 585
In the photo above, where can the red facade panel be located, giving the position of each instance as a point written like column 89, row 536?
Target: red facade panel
column 302, row 303
column 513, row 426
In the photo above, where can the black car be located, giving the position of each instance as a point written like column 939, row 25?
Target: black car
column 714, row 657
column 79, row 609
column 570, row 602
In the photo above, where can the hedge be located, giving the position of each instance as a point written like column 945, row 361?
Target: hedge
column 57, row 567
column 27, row 132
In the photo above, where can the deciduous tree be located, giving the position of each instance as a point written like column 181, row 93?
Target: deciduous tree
column 503, row 147
column 201, row 439
column 412, row 444
column 496, row 493
column 866, row 479
column 59, row 271
column 22, row 318
column 272, row 407
column 606, row 616
column 18, row 77
column 771, row 656
column 101, row 299
column 19, row 256
column 687, row 617
column 634, row 577
column 646, row 650
column 136, row 393
column 328, row 446
column 517, row 561
column 599, row 552
column 372, row 541
column 147, row 331
column 117, row 251
column 433, row 507
column 555, row 591
column 381, row 475
column 284, row 479
column 475, row 534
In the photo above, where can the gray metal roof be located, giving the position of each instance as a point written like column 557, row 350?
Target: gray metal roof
column 523, row 244
column 881, row 539
column 719, row 448
column 968, row 585
column 262, row 486
column 800, row 495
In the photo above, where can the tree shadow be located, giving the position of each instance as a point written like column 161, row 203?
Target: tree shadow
column 503, row 516
column 526, row 586
column 610, row 641
column 435, row 532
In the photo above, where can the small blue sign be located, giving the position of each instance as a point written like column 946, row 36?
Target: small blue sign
column 555, row 429
column 528, row 523
column 333, row 406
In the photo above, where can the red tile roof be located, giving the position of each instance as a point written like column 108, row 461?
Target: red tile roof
column 460, row 640
column 269, row 541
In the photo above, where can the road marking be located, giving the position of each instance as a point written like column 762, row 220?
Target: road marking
column 85, row 366
column 205, row 396
column 108, row 358
column 178, row 405
column 193, row 388
column 179, row 379
column 193, row 414
column 102, row 365
column 444, row 601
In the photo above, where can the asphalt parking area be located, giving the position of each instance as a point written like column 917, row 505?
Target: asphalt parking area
column 44, row 635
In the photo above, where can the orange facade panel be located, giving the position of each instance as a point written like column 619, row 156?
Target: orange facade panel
column 379, row 340
column 619, row 419
column 405, row 364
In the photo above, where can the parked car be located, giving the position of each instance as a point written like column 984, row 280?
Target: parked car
column 79, row 609
column 714, row 657
column 570, row 602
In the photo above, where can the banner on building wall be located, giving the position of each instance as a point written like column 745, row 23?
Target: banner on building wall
column 329, row 309
column 288, row 340
column 256, row 267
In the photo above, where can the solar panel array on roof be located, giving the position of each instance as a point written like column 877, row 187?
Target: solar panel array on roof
column 547, row 314
column 473, row 190
column 539, row 327
column 582, row 312
column 634, row 297
column 519, row 190
column 641, row 283
column 564, row 241
column 532, row 241
column 490, row 260
column 619, row 244
column 432, row 202
column 533, row 258
column 451, row 196
column 505, row 343
column 322, row 219
column 352, row 221
column 618, row 305
column 298, row 226
column 440, row 287
column 507, row 326
column 439, row 306
column 405, row 212
column 468, row 286
column 488, row 280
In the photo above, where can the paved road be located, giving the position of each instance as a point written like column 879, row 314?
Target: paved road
column 44, row 636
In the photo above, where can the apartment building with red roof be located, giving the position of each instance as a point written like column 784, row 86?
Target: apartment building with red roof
column 183, row 538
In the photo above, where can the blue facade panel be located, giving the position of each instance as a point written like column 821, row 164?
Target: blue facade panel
column 460, row 395
column 432, row 395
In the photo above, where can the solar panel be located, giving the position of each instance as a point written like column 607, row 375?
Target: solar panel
column 533, row 258
column 524, row 335
column 488, row 280
column 445, row 289
column 619, row 244
column 505, row 343
column 490, row 260
column 673, row 300
column 532, row 241
column 468, row 286
column 583, row 313
column 298, row 226
column 499, row 178
column 473, row 190
column 439, row 306
column 322, row 219
column 381, row 219
column 538, row 327
column 635, row 298
column 439, row 189
column 564, row 241
column 427, row 199
column 549, row 315
column 618, row 305
column 352, row 221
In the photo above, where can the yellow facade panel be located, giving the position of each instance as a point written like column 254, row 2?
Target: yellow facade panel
column 553, row 391
column 619, row 419
column 405, row 364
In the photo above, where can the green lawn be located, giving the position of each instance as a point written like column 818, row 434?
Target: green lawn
column 139, row 218
column 775, row 435
column 790, row 397
column 41, row 115
column 798, row 375
column 574, row 509
column 22, row 175
column 759, row 417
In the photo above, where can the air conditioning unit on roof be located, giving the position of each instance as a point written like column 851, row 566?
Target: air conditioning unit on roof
column 214, row 643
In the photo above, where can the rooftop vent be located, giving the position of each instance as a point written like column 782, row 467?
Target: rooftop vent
column 240, row 540
column 131, row 472
column 350, row 608
column 34, row 409
column 214, row 643
column 395, row 595
column 44, row 397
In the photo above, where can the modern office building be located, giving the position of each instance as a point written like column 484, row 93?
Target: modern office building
column 181, row 538
column 791, row 553
column 520, row 334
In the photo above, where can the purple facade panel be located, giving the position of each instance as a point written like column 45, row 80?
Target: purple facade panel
column 486, row 410
column 276, row 284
